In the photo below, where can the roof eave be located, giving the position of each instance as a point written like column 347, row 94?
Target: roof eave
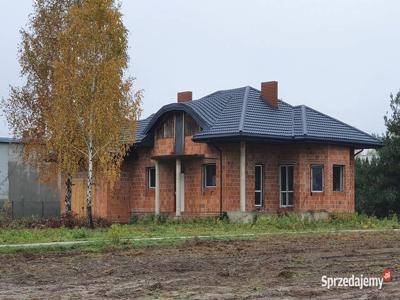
column 250, row 136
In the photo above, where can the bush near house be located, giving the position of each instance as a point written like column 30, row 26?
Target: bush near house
column 67, row 221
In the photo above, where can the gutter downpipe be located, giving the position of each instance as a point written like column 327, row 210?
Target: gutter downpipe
column 220, row 179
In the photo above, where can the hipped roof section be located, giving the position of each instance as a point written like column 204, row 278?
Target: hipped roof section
column 242, row 114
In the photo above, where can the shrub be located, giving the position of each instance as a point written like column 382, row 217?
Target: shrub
column 224, row 216
column 194, row 221
column 80, row 233
column 134, row 219
column 116, row 233
column 161, row 219
column 68, row 221
column 153, row 219
column 285, row 221
column 294, row 221
column 147, row 219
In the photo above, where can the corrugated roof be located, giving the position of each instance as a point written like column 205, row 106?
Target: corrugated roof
column 243, row 113
column 9, row 140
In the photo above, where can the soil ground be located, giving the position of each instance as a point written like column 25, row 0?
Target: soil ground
column 283, row 266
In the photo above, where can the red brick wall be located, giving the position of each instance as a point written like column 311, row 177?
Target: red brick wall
column 231, row 176
column 132, row 195
column 327, row 200
column 302, row 156
column 200, row 199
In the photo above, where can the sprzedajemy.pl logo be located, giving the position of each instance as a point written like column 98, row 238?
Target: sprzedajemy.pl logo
column 356, row 281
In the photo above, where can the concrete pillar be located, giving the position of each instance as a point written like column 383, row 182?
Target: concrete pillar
column 242, row 176
column 178, row 188
column 157, row 198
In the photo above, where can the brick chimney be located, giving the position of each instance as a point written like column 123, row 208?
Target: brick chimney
column 184, row 96
column 269, row 92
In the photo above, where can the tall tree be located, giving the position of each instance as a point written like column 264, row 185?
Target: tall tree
column 378, row 180
column 93, row 103
column 28, row 107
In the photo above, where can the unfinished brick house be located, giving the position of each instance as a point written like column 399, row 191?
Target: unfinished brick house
column 238, row 150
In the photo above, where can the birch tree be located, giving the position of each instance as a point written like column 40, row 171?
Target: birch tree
column 94, row 104
column 29, row 106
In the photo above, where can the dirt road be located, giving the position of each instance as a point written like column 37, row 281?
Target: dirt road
column 287, row 267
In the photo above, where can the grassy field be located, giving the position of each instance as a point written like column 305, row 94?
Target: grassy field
column 148, row 227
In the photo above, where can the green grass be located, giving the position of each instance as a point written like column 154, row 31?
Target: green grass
column 149, row 227
column 108, row 246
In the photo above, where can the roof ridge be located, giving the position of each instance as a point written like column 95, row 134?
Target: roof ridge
column 253, row 88
column 226, row 100
column 209, row 95
column 332, row 118
column 148, row 117
column 284, row 102
column 304, row 119
column 244, row 106
column 219, row 91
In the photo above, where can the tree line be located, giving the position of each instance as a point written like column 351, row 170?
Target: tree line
column 378, row 179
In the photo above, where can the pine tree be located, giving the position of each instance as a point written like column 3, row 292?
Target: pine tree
column 378, row 180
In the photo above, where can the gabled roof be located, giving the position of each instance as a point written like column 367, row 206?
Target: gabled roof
column 242, row 113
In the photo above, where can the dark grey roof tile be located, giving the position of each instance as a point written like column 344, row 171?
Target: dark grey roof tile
column 242, row 112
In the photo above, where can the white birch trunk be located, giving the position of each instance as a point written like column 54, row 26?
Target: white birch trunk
column 89, row 183
column 90, row 166
column 68, row 195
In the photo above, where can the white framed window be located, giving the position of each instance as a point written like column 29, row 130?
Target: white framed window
column 286, row 185
column 258, row 185
column 151, row 177
column 317, row 178
column 210, row 175
column 337, row 178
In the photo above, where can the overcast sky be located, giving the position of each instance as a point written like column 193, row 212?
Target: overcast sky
column 339, row 57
